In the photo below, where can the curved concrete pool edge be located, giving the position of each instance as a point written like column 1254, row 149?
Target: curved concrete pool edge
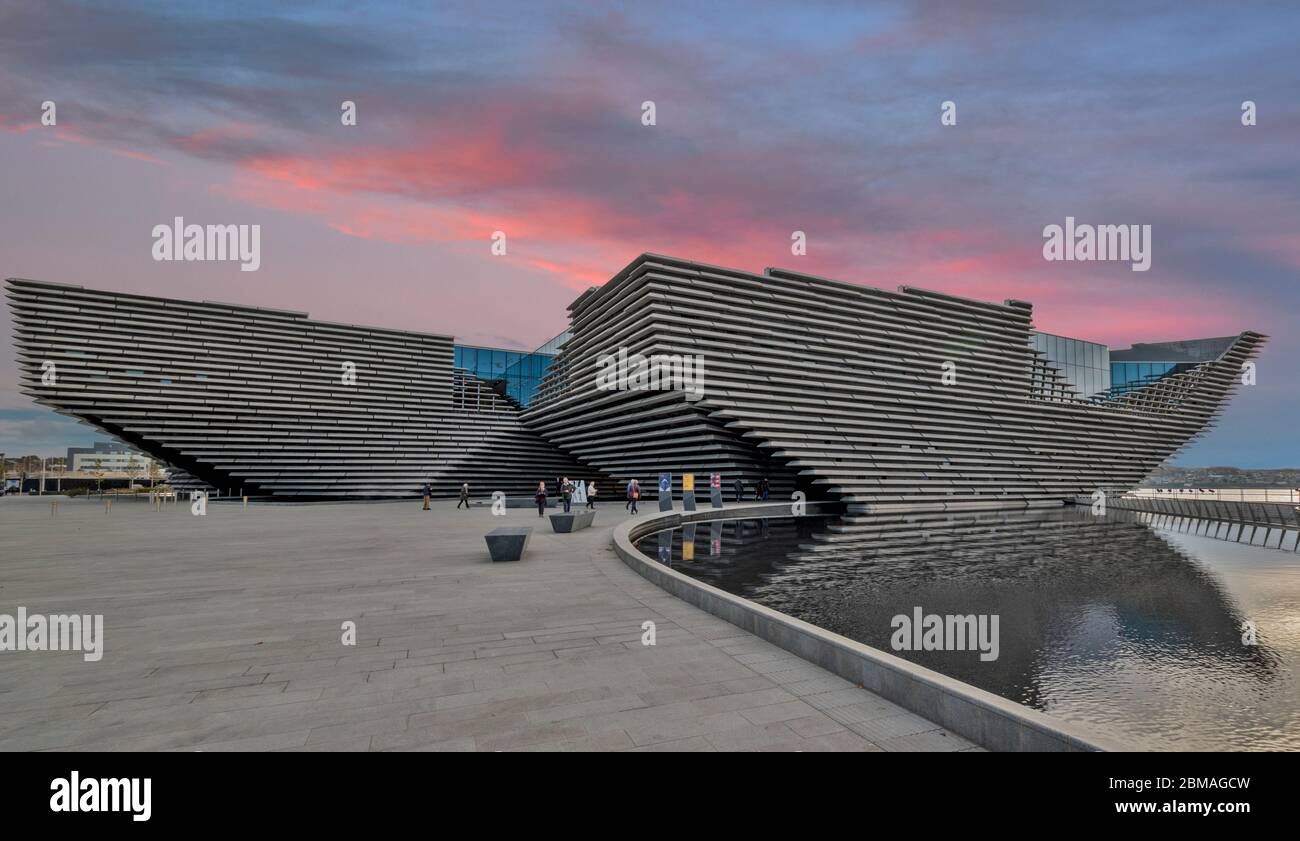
column 989, row 720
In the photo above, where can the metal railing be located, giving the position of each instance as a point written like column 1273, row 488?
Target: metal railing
column 1279, row 495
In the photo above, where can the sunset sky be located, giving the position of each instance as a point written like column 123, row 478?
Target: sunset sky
column 526, row 118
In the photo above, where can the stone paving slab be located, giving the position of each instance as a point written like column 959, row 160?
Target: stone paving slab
column 223, row 632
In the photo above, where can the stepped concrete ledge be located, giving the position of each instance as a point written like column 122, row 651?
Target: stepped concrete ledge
column 224, row 632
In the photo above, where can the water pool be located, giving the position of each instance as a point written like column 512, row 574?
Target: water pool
column 1131, row 629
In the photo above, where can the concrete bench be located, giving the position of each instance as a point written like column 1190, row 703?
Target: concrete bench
column 528, row 502
column 508, row 543
column 565, row 523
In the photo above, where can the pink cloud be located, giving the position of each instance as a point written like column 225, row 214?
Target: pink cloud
column 583, row 239
column 203, row 142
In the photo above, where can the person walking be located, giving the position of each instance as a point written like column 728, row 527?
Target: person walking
column 633, row 494
column 740, row 489
column 764, row 488
column 591, row 494
column 428, row 492
column 540, row 499
column 464, row 496
column 566, row 493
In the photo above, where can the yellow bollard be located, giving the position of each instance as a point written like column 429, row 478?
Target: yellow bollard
column 245, row 502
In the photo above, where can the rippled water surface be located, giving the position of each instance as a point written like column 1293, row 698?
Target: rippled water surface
column 1130, row 628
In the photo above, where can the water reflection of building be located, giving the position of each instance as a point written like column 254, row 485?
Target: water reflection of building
column 1083, row 601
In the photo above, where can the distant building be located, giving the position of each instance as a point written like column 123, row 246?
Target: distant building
column 111, row 458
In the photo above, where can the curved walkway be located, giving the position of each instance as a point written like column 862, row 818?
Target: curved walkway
column 223, row 632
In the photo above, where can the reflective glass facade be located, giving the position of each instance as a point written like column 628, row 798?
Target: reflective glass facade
column 1085, row 365
column 1126, row 376
column 519, row 371
column 1145, row 363
column 552, row 347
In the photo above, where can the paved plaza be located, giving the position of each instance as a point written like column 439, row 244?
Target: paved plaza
column 223, row 632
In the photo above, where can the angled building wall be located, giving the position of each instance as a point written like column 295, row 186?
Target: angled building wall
column 840, row 388
column 832, row 388
column 260, row 400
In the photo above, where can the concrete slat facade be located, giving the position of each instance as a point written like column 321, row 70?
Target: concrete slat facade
column 839, row 388
column 832, row 388
column 254, row 400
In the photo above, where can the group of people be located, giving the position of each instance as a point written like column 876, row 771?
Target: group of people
column 566, row 495
column 569, row 489
column 464, row 495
